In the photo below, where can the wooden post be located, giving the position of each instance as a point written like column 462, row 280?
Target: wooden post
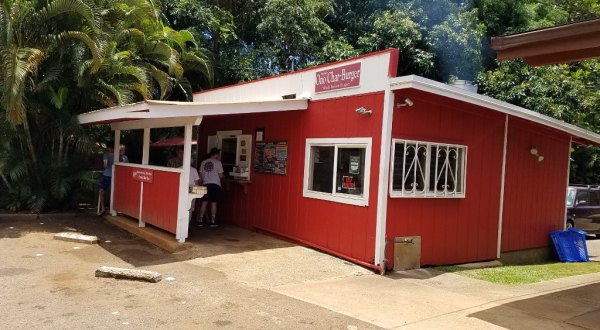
column 183, row 214
column 145, row 160
column 116, row 155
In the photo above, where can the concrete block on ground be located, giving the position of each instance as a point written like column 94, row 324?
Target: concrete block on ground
column 129, row 274
column 76, row 237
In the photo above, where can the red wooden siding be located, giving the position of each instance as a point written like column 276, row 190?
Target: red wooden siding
column 160, row 200
column 160, row 197
column 535, row 192
column 452, row 230
column 126, row 198
column 275, row 202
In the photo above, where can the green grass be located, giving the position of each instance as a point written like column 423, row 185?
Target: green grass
column 515, row 275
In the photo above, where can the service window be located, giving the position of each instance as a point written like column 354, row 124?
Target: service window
column 426, row 169
column 338, row 170
column 236, row 150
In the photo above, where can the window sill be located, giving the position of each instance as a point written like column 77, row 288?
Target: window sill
column 399, row 195
column 338, row 198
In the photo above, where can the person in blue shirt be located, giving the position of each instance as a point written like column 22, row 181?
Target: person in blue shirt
column 105, row 180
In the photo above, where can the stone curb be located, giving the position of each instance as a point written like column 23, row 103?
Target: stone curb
column 129, row 274
column 76, row 237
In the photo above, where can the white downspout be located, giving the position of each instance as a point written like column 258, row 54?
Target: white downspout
column 116, row 157
column 501, row 212
column 568, row 176
column 384, row 169
column 183, row 215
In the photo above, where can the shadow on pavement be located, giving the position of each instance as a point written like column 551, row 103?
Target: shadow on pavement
column 205, row 242
column 415, row 274
column 571, row 308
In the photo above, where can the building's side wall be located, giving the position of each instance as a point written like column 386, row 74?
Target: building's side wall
column 275, row 202
column 535, row 192
column 452, row 230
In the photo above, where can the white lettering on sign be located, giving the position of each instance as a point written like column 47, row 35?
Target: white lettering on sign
column 143, row 175
column 338, row 78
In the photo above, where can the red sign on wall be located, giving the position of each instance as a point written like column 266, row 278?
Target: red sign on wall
column 338, row 78
column 143, row 175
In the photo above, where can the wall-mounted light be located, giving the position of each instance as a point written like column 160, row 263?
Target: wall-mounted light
column 535, row 153
column 406, row 102
column 364, row 111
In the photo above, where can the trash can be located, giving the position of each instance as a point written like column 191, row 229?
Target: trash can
column 407, row 252
column 570, row 245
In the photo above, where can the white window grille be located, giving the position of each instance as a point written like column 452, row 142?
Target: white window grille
column 426, row 169
column 338, row 170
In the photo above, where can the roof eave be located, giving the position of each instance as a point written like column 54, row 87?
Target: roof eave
column 153, row 110
column 442, row 89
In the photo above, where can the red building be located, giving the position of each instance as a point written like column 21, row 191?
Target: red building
column 346, row 157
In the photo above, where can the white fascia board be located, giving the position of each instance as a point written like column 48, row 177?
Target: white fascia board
column 161, row 109
column 438, row 88
column 132, row 116
column 133, row 110
column 156, row 123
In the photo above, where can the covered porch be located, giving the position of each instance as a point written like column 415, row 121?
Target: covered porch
column 158, row 195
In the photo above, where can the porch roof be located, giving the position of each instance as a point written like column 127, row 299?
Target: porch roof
column 557, row 44
column 579, row 134
column 158, row 113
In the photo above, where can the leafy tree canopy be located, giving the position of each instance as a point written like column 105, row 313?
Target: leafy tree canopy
column 64, row 57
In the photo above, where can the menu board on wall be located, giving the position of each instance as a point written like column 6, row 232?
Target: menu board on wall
column 271, row 157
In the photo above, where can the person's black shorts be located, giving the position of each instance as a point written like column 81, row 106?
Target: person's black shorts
column 213, row 193
column 104, row 182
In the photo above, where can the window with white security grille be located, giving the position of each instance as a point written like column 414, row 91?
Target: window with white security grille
column 426, row 169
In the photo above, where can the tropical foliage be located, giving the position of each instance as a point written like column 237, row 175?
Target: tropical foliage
column 64, row 57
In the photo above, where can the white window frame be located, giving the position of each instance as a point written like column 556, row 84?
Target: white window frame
column 428, row 193
column 366, row 143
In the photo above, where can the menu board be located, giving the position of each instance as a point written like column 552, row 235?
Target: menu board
column 271, row 157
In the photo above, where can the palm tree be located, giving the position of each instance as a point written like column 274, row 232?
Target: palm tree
column 64, row 57
column 142, row 58
column 28, row 33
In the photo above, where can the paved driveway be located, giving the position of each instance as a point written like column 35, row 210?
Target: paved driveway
column 255, row 281
column 50, row 284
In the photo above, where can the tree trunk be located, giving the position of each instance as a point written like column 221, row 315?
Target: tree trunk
column 29, row 141
column 60, row 143
column 8, row 185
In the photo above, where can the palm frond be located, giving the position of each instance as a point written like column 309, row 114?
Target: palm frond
column 89, row 42
column 59, row 7
column 161, row 78
column 19, row 64
column 117, row 96
column 192, row 62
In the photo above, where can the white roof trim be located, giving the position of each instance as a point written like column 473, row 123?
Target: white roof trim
column 170, row 109
column 431, row 86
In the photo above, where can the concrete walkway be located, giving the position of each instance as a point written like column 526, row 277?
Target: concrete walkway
column 427, row 299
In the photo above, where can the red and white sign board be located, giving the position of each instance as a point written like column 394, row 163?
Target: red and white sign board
column 341, row 77
column 143, row 175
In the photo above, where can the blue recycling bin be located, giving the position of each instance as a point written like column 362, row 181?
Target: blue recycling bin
column 570, row 245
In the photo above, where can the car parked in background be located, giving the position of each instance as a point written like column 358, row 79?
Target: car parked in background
column 583, row 208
